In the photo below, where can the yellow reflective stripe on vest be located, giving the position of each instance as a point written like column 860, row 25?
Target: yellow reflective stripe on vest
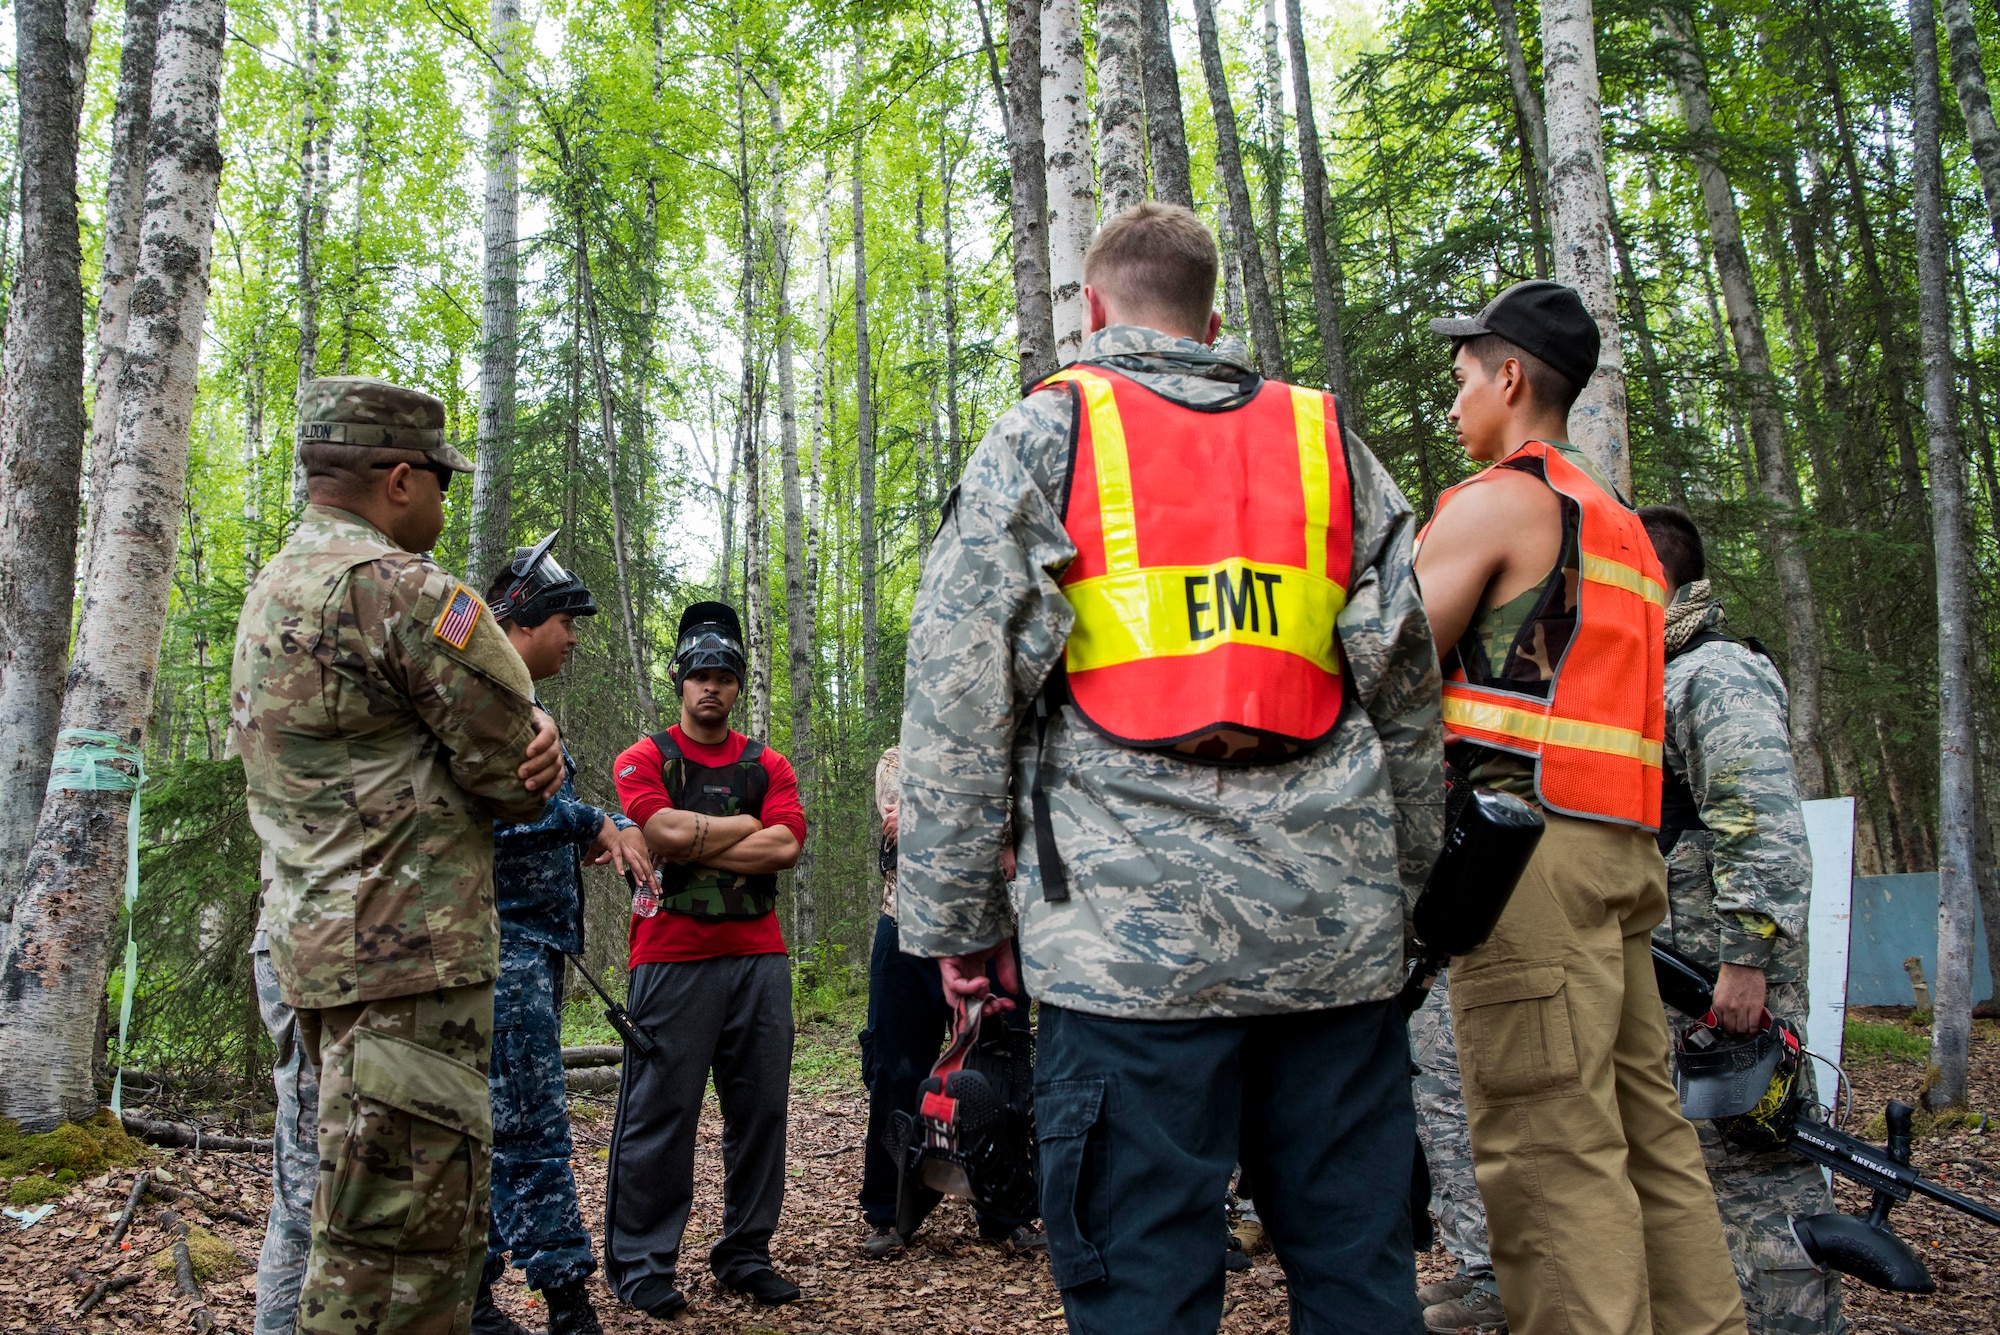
column 1114, row 469
column 1603, row 570
column 1538, row 730
column 1309, row 416
column 1172, row 611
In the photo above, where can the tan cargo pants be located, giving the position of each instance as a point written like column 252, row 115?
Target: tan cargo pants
column 399, row 1218
column 1601, row 1217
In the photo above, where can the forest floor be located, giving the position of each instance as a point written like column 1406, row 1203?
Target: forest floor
column 949, row 1281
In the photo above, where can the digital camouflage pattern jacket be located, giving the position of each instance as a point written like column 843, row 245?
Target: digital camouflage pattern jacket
column 1195, row 890
column 1738, row 888
column 538, row 869
column 382, row 720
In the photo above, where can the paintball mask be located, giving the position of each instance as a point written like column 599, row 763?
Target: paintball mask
column 973, row 1135
column 1749, row 1085
column 539, row 588
column 710, row 637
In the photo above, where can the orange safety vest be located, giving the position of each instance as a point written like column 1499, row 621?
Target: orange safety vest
column 1597, row 737
column 1213, row 549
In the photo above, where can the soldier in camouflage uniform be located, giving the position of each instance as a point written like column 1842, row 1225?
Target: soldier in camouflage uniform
column 539, row 886
column 1471, row 1297
column 384, row 722
column 1221, row 972
column 1738, row 878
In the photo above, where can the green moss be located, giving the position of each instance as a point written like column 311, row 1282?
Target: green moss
column 34, row 1191
column 81, row 1148
column 65, row 1175
column 211, row 1257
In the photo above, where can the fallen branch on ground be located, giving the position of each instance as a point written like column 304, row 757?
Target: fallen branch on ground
column 179, row 1135
column 577, row 1059
column 184, row 1280
column 131, row 1208
column 103, row 1288
column 598, row 1080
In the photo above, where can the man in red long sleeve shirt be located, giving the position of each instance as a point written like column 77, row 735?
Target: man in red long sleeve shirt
column 722, row 815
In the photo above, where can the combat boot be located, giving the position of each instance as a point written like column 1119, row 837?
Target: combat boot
column 1444, row 1290
column 1476, row 1308
column 490, row 1320
column 570, row 1310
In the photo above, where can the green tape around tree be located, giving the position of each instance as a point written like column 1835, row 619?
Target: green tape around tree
column 88, row 761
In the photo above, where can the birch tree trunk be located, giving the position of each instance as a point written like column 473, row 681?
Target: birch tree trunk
column 499, row 309
column 1534, row 126
column 1072, row 197
column 1968, row 77
column 798, row 588
column 124, row 207
column 308, row 276
column 41, row 427
column 993, row 69
column 1034, row 313
column 864, row 395
column 1229, row 162
column 1166, row 134
column 607, row 420
column 1760, row 388
column 1580, row 200
column 947, row 177
column 1951, row 1031
column 1322, row 250
column 1121, row 133
column 58, row 953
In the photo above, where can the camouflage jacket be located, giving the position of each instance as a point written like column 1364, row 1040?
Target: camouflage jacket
column 1738, row 888
column 538, row 867
column 381, row 721
column 1195, row 890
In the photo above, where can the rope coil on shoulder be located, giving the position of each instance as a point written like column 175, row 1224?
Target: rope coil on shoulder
column 90, row 761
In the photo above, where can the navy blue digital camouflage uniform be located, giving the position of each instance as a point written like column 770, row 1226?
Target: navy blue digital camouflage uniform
column 539, row 892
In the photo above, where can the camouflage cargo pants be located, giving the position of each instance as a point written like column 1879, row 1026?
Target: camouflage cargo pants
column 1447, row 1140
column 399, row 1218
column 1782, row 1293
column 281, row 1267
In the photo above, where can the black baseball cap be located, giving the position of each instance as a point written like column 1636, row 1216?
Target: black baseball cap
column 1544, row 318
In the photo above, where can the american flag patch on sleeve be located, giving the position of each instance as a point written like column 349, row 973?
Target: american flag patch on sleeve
column 460, row 615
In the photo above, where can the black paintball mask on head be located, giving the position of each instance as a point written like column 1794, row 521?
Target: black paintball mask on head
column 537, row 588
column 710, row 637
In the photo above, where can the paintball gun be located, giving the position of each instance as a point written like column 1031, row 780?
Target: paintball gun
column 1863, row 1246
column 1488, row 839
column 636, row 1036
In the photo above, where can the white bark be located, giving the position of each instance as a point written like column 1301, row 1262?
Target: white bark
column 1322, row 238
column 41, row 421
column 1580, row 201
column 1166, row 134
column 311, row 114
column 1121, row 131
column 492, row 482
column 798, row 589
column 1968, row 78
column 1072, row 194
column 58, row 954
column 1951, row 1030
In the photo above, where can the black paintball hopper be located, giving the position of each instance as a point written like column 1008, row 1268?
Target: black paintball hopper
column 1864, row 1249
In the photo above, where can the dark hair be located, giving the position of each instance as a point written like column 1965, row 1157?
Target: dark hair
column 1548, row 386
column 1159, row 260
column 1676, row 541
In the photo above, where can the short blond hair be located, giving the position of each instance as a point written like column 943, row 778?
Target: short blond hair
column 1156, row 260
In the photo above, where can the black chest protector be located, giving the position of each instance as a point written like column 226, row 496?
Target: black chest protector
column 723, row 790
column 1679, row 812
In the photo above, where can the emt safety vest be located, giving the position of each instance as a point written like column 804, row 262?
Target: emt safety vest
column 1598, row 735
column 1213, row 548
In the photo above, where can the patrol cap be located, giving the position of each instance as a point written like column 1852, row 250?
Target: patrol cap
column 1540, row 317
column 361, row 410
